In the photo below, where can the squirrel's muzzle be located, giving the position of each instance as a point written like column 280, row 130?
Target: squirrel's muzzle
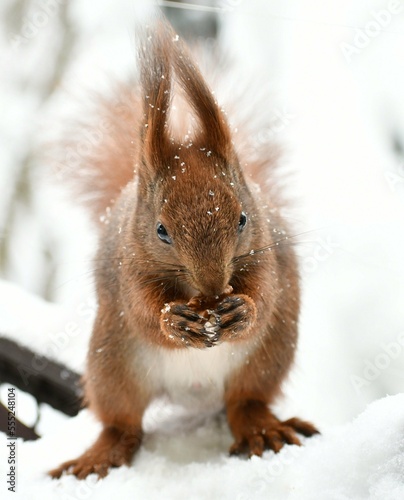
column 211, row 282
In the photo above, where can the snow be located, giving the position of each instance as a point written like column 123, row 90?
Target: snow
column 360, row 460
column 340, row 116
column 57, row 332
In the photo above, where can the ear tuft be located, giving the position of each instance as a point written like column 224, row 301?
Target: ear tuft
column 162, row 55
column 155, row 78
column 215, row 130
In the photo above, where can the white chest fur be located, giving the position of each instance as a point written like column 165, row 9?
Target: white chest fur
column 194, row 377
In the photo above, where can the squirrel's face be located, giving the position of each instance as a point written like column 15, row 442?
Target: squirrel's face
column 194, row 207
column 202, row 218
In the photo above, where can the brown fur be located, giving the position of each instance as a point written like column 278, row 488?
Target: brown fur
column 204, row 290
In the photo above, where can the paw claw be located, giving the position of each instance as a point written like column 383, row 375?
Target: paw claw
column 256, row 446
column 65, row 467
column 289, row 436
column 185, row 312
column 274, row 442
column 238, row 448
column 301, row 426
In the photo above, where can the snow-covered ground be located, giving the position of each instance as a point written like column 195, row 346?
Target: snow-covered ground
column 335, row 72
column 360, row 460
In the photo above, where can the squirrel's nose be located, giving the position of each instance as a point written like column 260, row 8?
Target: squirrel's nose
column 211, row 283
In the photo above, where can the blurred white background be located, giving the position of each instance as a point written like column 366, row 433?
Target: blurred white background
column 336, row 76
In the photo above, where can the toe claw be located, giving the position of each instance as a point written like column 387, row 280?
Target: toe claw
column 289, row 435
column 238, row 448
column 301, row 426
column 256, row 446
column 274, row 442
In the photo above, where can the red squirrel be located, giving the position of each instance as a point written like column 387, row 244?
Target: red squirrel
column 198, row 296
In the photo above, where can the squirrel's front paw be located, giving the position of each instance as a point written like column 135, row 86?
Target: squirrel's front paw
column 235, row 315
column 183, row 326
column 197, row 325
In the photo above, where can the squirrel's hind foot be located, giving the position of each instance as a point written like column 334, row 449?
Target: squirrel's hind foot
column 113, row 448
column 256, row 429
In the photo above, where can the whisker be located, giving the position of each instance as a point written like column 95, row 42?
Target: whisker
column 138, row 261
column 164, row 271
column 161, row 263
column 168, row 276
column 158, row 278
column 274, row 244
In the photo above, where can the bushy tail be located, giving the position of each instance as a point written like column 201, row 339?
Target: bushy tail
column 96, row 155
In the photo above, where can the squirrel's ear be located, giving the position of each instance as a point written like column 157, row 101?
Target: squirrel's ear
column 155, row 79
column 215, row 130
column 161, row 52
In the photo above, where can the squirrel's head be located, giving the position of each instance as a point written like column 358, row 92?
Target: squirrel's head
column 194, row 208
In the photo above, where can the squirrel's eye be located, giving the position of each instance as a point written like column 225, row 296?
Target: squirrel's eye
column 162, row 234
column 242, row 222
